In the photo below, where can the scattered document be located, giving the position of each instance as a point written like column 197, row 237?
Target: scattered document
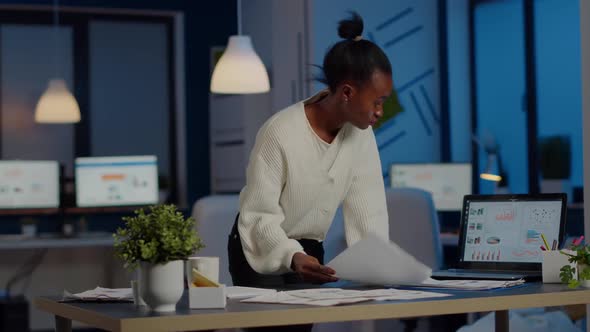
column 373, row 260
column 286, row 298
column 101, row 294
column 336, row 296
column 239, row 292
column 470, row 284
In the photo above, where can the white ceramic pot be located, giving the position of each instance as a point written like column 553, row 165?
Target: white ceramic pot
column 161, row 285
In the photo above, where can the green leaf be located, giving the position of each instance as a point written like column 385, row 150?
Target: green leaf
column 585, row 273
column 573, row 284
column 566, row 274
column 581, row 257
column 160, row 235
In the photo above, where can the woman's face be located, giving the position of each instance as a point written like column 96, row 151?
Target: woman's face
column 364, row 104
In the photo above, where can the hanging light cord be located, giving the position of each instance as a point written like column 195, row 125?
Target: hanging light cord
column 239, row 17
column 55, row 37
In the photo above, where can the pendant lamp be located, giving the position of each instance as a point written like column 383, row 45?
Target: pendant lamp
column 57, row 104
column 492, row 170
column 239, row 70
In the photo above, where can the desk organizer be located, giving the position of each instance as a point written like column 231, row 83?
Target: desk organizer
column 553, row 261
column 206, row 297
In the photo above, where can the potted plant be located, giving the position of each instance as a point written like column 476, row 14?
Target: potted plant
column 158, row 241
column 580, row 255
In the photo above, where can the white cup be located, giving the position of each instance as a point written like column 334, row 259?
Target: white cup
column 553, row 261
column 208, row 266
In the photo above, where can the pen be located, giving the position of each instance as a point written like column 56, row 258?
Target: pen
column 578, row 241
column 542, row 248
column 545, row 241
column 554, row 245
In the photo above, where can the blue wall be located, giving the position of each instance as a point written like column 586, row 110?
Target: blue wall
column 408, row 33
column 459, row 84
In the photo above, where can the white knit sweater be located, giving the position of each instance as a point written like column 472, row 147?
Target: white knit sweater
column 293, row 193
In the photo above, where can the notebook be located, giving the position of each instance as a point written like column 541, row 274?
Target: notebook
column 500, row 235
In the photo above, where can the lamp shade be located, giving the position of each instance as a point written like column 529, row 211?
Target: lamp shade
column 492, row 171
column 57, row 104
column 239, row 70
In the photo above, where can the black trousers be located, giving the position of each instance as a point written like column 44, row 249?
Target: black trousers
column 242, row 273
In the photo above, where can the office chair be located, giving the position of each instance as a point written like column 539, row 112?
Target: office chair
column 215, row 216
column 413, row 224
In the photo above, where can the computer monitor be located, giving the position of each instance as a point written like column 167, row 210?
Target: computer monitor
column 448, row 182
column 29, row 184
column 116, row 181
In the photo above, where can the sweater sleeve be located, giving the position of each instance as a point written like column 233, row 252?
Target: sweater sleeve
column 364, row 206
column 266, row 246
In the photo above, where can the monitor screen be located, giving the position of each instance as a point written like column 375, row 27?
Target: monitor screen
column 116, row 181
column 448, row 183
column 29, row 184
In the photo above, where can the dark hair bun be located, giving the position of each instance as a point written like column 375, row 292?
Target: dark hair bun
column 353, row 60
column 352, row 27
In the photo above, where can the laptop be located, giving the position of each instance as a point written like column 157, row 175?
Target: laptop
column 500, row 235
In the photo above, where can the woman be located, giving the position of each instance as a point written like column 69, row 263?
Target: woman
column 307, row 160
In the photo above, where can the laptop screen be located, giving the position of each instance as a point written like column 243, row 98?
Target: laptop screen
column 510, row 228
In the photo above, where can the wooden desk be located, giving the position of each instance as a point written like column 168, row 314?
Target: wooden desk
column 127, row 317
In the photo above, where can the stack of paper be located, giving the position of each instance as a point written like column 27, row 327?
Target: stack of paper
column 101, row 294
column 470, row 284
column 373, row 260
column 335, row 296
column 240, row 292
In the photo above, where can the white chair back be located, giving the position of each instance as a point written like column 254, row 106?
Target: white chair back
column 413, row 224
column 215, row 216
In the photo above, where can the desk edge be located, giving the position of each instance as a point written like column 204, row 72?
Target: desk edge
column 74, row 313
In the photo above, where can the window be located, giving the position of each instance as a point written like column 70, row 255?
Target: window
column 121, row 70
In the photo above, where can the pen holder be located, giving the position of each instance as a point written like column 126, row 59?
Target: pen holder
column 206, row 297
column 553, row 261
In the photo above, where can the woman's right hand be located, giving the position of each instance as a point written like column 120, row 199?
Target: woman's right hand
column 310, row 269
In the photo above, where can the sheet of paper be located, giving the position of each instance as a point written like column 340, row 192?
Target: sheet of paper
column 101, row 294
column 470, row 284
column 375, row 294
column 336, row 296
column 325, row 293
column 398, row 294
column 285, row 298
column 373, row 260
column 240, row 292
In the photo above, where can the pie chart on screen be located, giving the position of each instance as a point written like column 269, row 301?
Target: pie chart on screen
column 493, row 240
